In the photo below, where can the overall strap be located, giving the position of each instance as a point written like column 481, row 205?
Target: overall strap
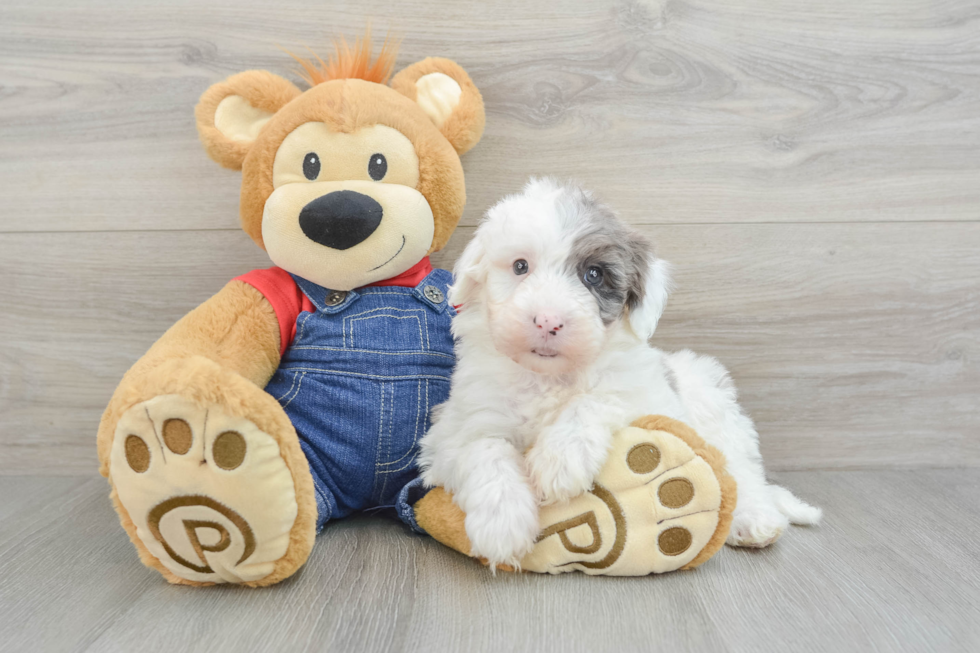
column 325, row 299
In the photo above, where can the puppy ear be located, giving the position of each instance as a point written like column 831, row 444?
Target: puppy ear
column 648, row 297
column 231, row 113
column 470, row 273
column 446, row 94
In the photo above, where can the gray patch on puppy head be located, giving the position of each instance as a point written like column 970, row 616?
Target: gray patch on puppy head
column 604, row 241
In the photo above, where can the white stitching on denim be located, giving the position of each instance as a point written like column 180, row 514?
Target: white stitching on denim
column 291, row 386
column 437, row 377
column 385, row 308
column 356, row 316
column 348, row 318
column 377, row 449
column 393, row 317
column 302, row 329
column 388, row 451
column 425, row 416
column 381, row 422
column 415, row 453
column 418, row 409
column 418, row 417
column 407, row 352
column 388, row 442
column 391, row 421
column 298, row 387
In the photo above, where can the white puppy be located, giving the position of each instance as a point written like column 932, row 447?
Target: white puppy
column 557, row 301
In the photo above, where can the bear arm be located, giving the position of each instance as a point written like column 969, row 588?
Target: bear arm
column 236, row 328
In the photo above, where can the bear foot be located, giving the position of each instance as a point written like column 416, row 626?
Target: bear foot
column 661, row 502
column 205, row 496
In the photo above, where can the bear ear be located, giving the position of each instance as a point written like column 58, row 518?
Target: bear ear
column 447, row 95
column 231, row 113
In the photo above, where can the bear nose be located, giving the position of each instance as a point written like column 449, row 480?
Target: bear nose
column 340, row 219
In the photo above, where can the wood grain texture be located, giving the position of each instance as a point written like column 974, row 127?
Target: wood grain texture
column 812, row 169
column 852, row 345
column 680, row 111
column 893, row 568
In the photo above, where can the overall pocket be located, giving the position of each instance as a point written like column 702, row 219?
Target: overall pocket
column 404, row 417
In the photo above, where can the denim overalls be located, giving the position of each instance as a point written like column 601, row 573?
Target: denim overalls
column 359, row 381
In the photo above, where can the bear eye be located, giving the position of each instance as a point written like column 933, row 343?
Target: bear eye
column 593, row 276
column 378, row 166
column 311, row 166
column 520, row 267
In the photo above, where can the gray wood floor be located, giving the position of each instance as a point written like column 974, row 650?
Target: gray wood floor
column 895, row 567
column 812, row 169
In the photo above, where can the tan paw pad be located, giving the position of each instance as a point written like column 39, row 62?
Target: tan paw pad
column 654, row 506
column 209, row 494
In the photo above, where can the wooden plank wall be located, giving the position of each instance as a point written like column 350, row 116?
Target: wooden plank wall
column 811, row 169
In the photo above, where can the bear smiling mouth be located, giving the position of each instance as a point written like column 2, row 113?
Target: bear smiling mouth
column 393, row 257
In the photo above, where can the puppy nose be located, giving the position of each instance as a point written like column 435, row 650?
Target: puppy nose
column 340, row 219
column 550, row 322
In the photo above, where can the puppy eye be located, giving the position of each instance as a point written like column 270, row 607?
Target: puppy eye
column 593, row 276
column 520, row 267
column 378, row 166
column 311, row 166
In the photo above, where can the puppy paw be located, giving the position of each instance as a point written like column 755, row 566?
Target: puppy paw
column 557, row 475
column 756, row 526
column 502, row 535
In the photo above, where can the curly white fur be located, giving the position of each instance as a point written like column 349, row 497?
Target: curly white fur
column 551, row 364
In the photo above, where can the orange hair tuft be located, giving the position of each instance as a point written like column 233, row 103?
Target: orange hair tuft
column 351, row 62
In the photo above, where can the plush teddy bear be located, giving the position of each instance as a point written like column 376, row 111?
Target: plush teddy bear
column 298, row 394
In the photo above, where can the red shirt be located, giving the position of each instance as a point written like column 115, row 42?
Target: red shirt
column 288, row 301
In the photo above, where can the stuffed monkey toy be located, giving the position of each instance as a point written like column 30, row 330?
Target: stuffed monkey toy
column 297, row 394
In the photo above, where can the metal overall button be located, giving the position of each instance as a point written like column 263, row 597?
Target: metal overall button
column 335, row 297
column 433, row 294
